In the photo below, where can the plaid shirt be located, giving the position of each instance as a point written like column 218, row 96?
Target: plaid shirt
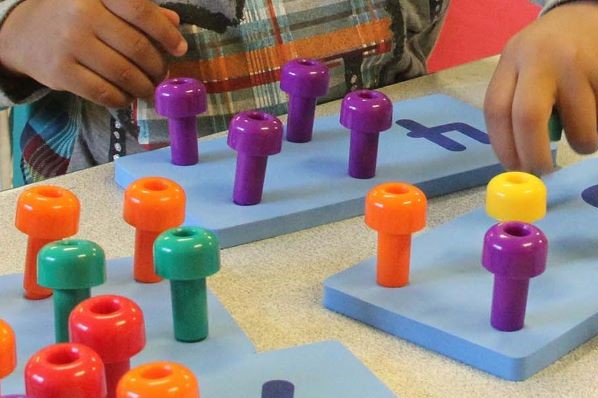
column 365, row 43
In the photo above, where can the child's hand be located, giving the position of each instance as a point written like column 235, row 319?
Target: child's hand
column 553, row 62
column 108, row 51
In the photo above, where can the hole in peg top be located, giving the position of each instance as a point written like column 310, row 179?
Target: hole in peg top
column 397, row 189
column 367, row 95
column 68, row 243
column 50, row 192
column 257, row 116
column 183, row 233
column 155, row 185
column 307, row 62
column 517, row 179
column 158, row 372
column 177, row 81
column 63, row 357
column 517, row 229
column 105, row 307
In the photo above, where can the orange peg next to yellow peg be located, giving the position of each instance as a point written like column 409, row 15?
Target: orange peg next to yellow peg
column 152, row 205
column 46, row 214
column 158, row 380
column 8, row 350
column 395, row 210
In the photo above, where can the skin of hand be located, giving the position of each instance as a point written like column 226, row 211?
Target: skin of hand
column 553, row 63
column 107, row 51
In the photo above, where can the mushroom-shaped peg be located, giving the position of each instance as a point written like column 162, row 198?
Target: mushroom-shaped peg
column 304, row 80
column 186, row 256
column 395, row 210
column 65, row 371
column 8, row 350
column 366, row 113
column 180, row 100
column 46, row 213
column 516, row 196
column 113, row 327
column 514, row 252
column 70, row 267
column 152, row 205
column 158, row 380
column 255, row 136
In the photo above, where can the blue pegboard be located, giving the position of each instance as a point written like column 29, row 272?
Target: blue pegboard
column 446, row 307
column 225, row 363
column 437, row 142
column 322, row 370
column 33, row 323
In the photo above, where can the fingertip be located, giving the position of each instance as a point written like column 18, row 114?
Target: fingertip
column 181, row 48
column 171, row 15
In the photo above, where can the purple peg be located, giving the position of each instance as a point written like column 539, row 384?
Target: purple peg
column 304, row 80
column 514, row 252
column 255, row 136
column 180, row 100
column 366, row 113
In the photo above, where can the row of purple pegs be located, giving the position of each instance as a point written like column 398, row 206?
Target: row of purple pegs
column 255, row 135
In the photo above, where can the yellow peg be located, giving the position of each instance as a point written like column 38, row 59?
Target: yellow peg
column 516, row 196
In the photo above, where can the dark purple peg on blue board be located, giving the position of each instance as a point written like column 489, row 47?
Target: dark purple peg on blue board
column 304, row 80
column 278, row 389
column 514, row 252
column 366, row 113
column 180, row 100
column 255, row 136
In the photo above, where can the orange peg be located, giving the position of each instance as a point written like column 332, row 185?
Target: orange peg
column 152, row 205
column 395, row 210
column 46, row 213
column 8, row 350
column 158, row 380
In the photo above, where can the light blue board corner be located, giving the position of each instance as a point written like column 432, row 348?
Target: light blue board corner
column 446, row 306
column 307, row 184
column 320, row 370
column 226, row 363
column 34, row 324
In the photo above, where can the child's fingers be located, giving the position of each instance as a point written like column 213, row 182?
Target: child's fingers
column 171, row 15
column 87, row 84
column 134, row 45
column 148, row 18
column 577, row 109
column 498, row 106
column 115, row 68
column 532, row 106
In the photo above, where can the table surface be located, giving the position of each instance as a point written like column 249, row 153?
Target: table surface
column 273, row 288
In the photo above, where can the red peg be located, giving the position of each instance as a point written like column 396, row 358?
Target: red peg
column 113, row 327
column 152, row 205
column 65, row 371
column 45, row 213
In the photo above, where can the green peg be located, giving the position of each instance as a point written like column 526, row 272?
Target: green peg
column 70, row 267
column 186, row 256
column 555, row 127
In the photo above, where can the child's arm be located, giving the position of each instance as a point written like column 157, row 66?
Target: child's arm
column 107, row 51
column 551, row 63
